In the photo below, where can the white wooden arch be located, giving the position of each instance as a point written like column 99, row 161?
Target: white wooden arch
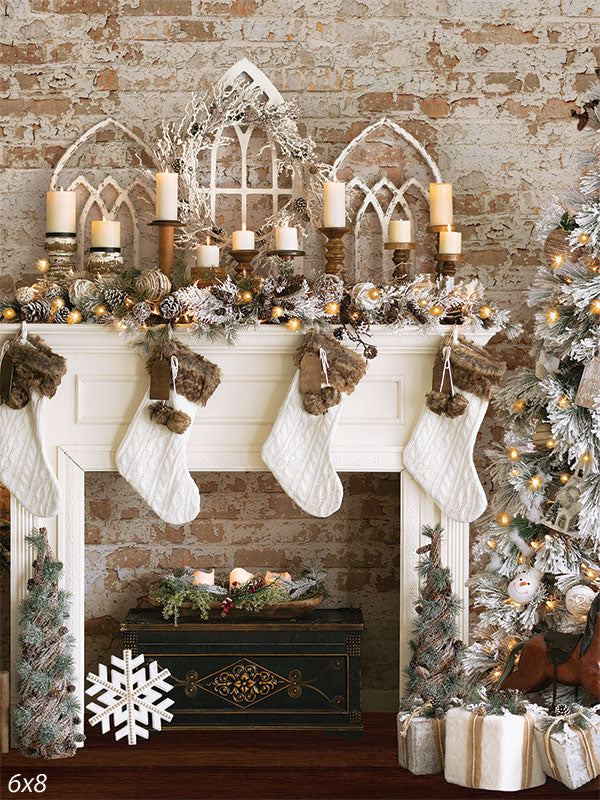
column 398, row 193
column 246, row 69
column 123, row 193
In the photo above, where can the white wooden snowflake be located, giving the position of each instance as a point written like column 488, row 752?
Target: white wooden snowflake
column 129, row 696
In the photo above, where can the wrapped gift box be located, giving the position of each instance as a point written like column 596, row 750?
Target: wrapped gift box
column 421, row 744
column 494, row 752
column 570, row 755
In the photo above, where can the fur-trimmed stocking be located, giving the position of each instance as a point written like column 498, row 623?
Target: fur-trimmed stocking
column 152, row 456
column 24, row 467
column 298, row 449
column 439, row 455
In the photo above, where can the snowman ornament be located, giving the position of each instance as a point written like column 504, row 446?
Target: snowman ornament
column 523, row 587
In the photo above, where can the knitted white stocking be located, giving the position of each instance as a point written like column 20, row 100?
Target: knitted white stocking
column 298, row 453
column 153, row 460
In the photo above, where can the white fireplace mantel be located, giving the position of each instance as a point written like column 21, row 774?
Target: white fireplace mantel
column 106, row 380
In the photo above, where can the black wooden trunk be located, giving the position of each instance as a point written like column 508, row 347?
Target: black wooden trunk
column 261, row 674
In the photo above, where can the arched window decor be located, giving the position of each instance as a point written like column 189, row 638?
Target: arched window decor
column 387, row 172
column 112, row 186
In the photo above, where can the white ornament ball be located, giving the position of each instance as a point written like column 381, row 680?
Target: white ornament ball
column 579, row 599
column 523, row 587
column 362, row 299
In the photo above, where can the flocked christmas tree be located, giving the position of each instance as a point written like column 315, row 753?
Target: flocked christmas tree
column 543, row 541
column 434, row 672
column 47, row 716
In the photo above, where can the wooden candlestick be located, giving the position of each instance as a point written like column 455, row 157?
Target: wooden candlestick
column 334, row 250
column 400, row 257
column 244, row 259
column 447, row 263
column 166, row 243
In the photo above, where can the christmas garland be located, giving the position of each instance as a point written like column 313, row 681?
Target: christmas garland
column 150, row 304
column 178, row 588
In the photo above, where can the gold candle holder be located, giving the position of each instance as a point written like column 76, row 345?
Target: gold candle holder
column 447, row 263
column 244, row 260
column 400, row 258
column 166, row 243
column 334, row 250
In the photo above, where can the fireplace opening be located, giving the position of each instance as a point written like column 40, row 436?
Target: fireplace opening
column 246, row 520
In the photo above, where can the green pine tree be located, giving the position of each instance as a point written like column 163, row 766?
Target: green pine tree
column 47, row 717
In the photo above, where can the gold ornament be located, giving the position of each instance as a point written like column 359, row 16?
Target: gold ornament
column 503, row 518
column 42, row 265
column 595, row 306
column 245, row 297
column 276, row 312
column 423, row 302
column 436, row 311
column 583, row 238
column 9, row 313
column 100, row 310
column 374, row 294
column 293, row 324
column 332, row 309
column 513, row 454
column 73, row 317
column 485, row 312
column 553, row 316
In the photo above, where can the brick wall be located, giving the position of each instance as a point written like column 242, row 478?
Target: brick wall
column 246, row 520
column 486, row 85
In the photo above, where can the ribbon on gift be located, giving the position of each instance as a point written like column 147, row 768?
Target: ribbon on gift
column 474, row 755
column 590, row 758
column 439, row 733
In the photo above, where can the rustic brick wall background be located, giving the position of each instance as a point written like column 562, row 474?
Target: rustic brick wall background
column 246, row 520
column 486, row 85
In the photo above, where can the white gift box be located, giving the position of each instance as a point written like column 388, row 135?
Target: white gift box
column 495, row 752
column 421, row 744
column 570, row 755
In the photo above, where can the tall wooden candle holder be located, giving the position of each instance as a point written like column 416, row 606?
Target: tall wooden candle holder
column 244, row 260
column 447, row 262
column 400, row 258
column 166, row 243
column 334, row 250
column 61, row 249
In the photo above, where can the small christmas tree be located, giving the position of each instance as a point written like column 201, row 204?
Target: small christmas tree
column 47, row 717
column 435, row 672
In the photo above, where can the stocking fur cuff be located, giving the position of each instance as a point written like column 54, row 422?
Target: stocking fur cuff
column 473, row 370
column 36, row 368
column 197, row 378
column 345, row 367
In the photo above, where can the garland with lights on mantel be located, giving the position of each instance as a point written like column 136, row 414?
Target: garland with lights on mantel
column 151, row 304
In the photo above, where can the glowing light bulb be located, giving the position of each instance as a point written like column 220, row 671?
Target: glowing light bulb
column 332, row 309
column 374, row 293
column 515, row 472
column 564, row 478
column 491, row 544
column 277, row 311
column 553, row 316
column 550, row 444
column 562, row 402
column 518, row 406
column 42, row 265
column 583, row 238
column 535, row 482
column 558, row 260
column 513, row 454
column 595, row 306
column 503, row 518
column 485, row 312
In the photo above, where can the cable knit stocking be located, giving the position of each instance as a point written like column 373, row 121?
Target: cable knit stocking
column 439, row 456
column 153, row 460
column 298, row 453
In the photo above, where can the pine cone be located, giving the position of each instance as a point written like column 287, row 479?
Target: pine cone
column 36, row 311
column 370, row 351
column 338, row 333
column 361, row 326
column 52, row 292
column 562, row 710
column 60, row 315
column 170, row 307
column 113, row 296
column 300, row 205
column 141, row 311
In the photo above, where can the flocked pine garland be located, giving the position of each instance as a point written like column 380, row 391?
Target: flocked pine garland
column 227, row 307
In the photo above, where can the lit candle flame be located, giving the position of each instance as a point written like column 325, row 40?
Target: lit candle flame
column 449, row 228
column 208, row 240
column 243, row 226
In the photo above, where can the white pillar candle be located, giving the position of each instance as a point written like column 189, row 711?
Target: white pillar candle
column 286, row 238
column 166, row 195
column 239, row 576
column 334, row 204
column 204, row 578
column 243, row 240
column 60, row 212
column 106, row 233
column 207, row 255
column 440, row 204
column 400, row 230
column 450, row 242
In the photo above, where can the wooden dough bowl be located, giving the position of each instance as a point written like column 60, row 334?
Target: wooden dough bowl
column 289, row 610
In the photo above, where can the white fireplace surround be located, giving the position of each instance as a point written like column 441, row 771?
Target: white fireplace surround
column 106, row 380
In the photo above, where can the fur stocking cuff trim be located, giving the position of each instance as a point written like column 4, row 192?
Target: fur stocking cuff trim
column 345, row 367
column 197, row 378
column 473, row 369
column 35, row 368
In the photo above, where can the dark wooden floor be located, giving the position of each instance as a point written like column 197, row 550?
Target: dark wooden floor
column 198, row 765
